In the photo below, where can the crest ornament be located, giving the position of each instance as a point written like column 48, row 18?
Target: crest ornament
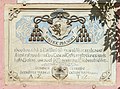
column 59, row 31
column 59, row 72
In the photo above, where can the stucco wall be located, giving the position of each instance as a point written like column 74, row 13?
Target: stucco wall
column 3, row 86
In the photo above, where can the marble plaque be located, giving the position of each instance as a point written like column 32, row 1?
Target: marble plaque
column 55, row 43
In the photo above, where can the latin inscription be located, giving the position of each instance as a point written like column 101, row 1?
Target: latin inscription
column 77, row 60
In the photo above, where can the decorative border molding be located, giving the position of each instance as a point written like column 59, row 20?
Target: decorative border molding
column 13, row 13
column 13, row 76
column 105, row 76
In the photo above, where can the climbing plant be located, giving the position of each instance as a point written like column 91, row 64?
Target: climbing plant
column 108, row 16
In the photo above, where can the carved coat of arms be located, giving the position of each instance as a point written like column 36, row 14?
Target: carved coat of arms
column 59, row 31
